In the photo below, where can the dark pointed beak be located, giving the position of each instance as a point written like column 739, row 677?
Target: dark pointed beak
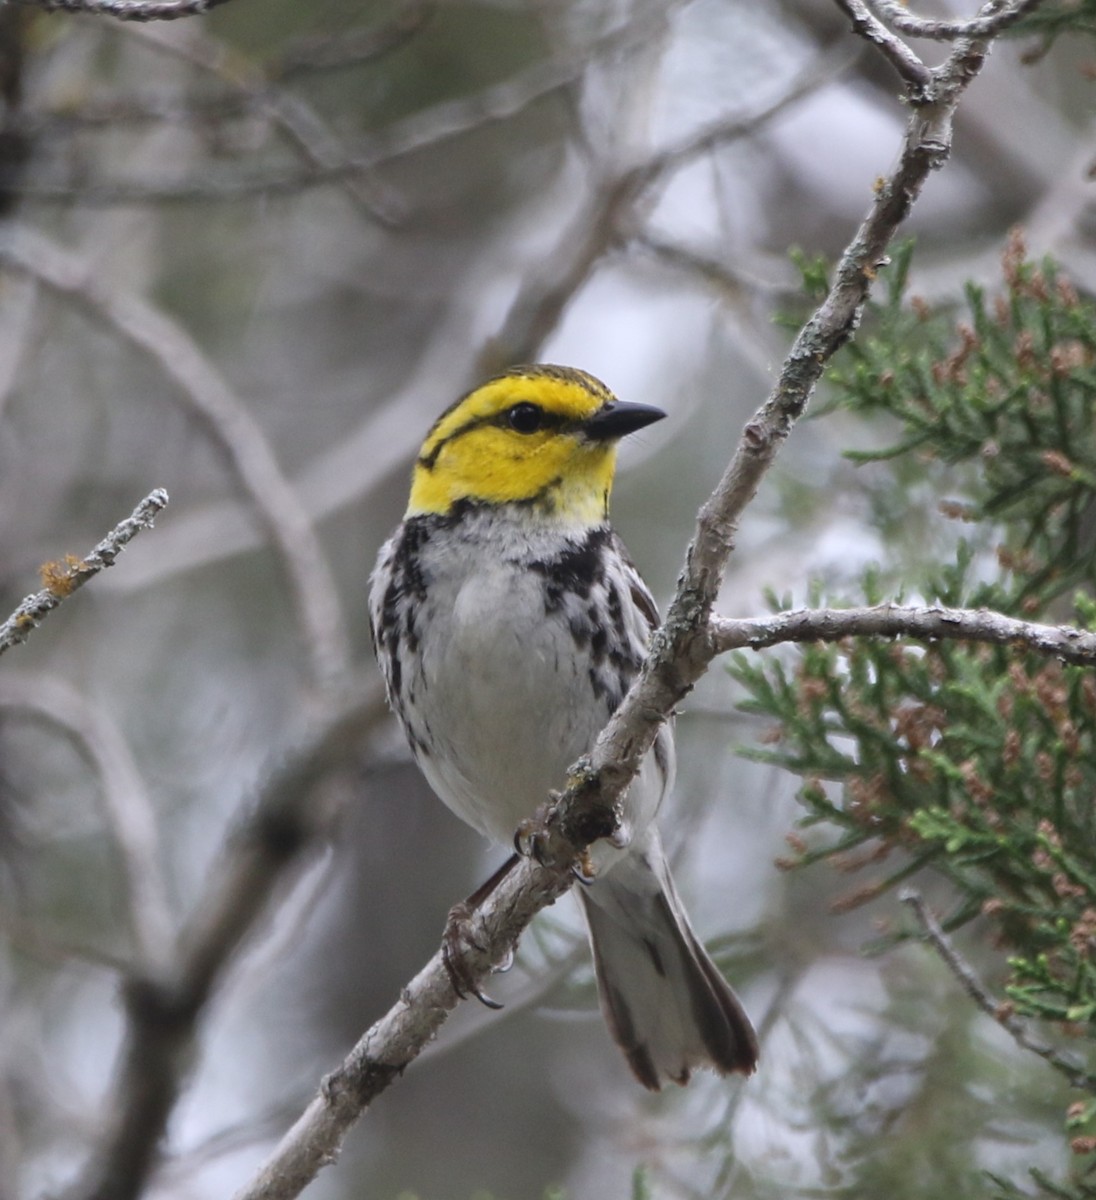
column 618, row 419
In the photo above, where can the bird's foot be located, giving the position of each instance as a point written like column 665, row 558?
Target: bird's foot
column 537, row 838
column 455, row 945
column 458, row 939
column 533, row 835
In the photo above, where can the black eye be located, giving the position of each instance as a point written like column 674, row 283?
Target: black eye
column 524, row 417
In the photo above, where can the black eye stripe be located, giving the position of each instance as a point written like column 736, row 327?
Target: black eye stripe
column 548, row 420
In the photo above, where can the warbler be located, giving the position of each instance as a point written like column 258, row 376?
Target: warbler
column 509, row 622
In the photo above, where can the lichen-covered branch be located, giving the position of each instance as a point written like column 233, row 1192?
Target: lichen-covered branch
column 63, row 577
column 923, row 623
column 986, row 24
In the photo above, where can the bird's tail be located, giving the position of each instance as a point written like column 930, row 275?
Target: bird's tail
column 665, row 1002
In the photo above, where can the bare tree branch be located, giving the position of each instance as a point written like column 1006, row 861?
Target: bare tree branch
column 226, row 417
column 127, row 808
column 64, row 577
column 930, row 623
column 910, row 68
column 390, row 1045
column 126, row 10
column 1066, row 1064
column 990, row 24
column 680, row 654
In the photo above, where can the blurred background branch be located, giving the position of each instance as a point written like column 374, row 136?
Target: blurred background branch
column 126, row 10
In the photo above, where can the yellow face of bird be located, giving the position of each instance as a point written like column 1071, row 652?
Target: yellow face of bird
column 541, row 435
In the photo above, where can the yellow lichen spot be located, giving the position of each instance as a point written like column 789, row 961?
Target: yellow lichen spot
column 59, row 576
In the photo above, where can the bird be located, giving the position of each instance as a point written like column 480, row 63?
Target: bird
column 509, row 622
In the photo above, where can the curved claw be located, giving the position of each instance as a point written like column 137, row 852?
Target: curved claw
column 465, row 987
column 454, row 940
column 531, row 834
column 583, row 869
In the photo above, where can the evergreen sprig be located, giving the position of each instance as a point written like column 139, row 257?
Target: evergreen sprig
column 976, row 761
column 998, row 405
column 1056, row 17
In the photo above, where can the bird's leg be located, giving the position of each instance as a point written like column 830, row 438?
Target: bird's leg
column 458, row 937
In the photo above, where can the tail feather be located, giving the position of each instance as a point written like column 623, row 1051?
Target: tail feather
column 664, row 1000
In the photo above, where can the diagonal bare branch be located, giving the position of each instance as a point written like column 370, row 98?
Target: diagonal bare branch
column 1066, row 1064
column 910, row 68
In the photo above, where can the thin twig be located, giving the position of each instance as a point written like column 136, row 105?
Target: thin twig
column 924, row 623
column 1066, row 1064
column 303, row 127
column 730, row 279
column 352, row 47
column 987, row 24
column 126, row 10
column 910, row 68
column 63, row 578
column 128, row 811
column 224, row 414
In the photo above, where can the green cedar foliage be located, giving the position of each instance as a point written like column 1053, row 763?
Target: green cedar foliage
column 976, row 762
column 1054, row 18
